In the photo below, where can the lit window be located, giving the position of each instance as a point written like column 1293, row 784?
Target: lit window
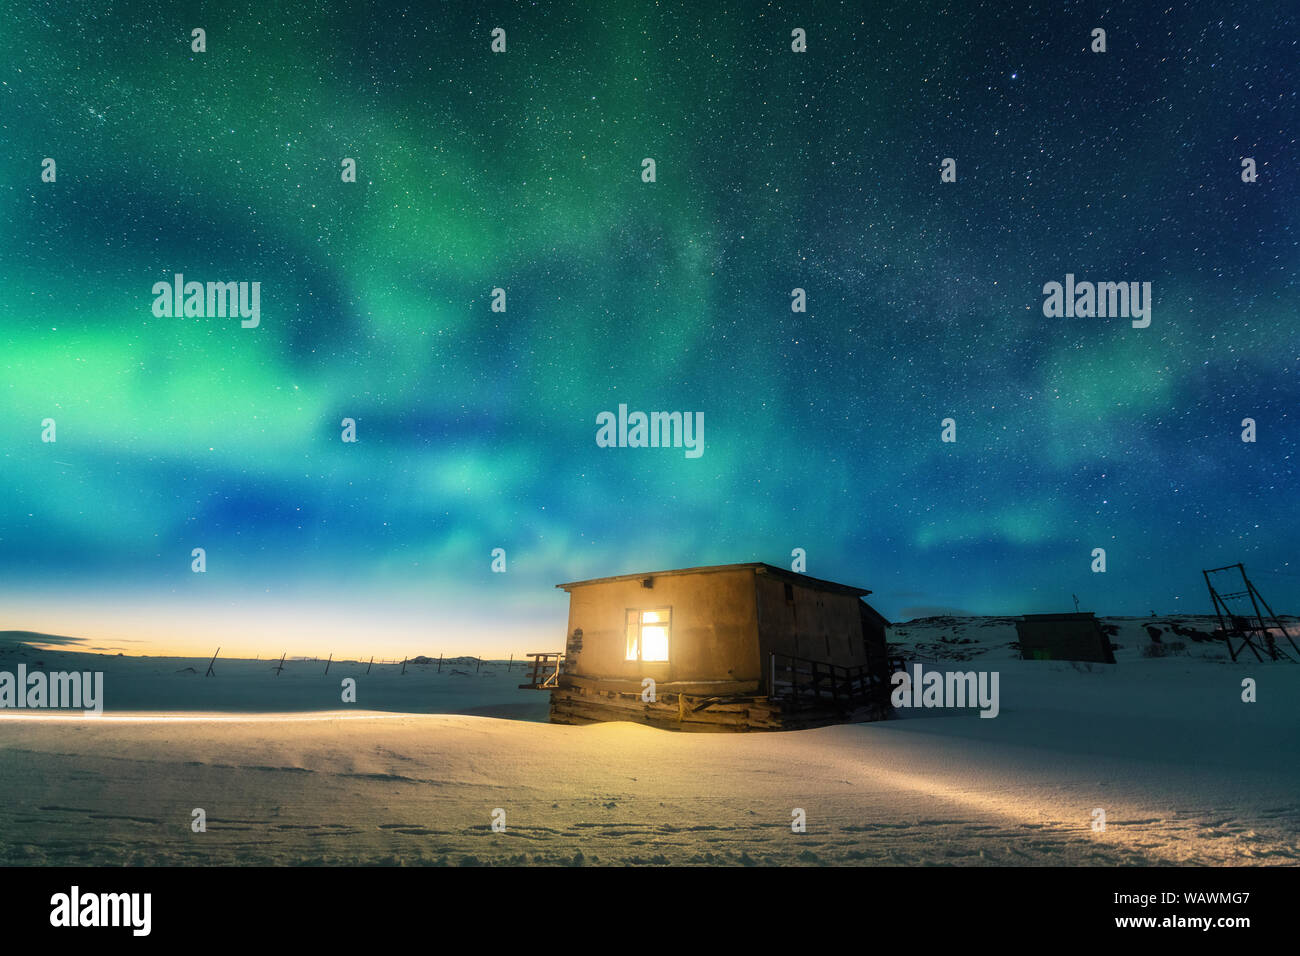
column 647, row 634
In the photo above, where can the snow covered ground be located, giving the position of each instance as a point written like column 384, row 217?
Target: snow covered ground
column 167, row 684
column 1185, row 772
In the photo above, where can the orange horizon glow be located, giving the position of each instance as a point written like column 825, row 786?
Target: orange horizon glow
column 263, row 627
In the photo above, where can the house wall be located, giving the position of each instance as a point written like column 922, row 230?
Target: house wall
column 1064, row 640
column 817, row 625
column 714, row 628
column 877, row 644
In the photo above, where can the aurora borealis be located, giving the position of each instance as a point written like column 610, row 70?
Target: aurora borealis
column 522, row 171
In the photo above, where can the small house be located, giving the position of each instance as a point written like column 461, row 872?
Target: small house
column 1064, row 637
column 729, row 647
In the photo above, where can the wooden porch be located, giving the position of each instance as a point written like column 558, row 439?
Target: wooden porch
column 798, row 693
column 546, row 670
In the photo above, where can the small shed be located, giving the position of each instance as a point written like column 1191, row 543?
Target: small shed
column 726, row 647
column 1064, row 637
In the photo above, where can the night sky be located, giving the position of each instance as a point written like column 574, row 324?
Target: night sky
column 775, row 170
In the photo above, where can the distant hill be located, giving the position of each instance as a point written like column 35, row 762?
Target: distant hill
column 950, row 638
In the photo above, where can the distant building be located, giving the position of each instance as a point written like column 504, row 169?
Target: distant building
column 1064, row 637
column 730, row 647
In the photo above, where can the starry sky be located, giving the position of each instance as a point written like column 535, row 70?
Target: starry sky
column 522, row 171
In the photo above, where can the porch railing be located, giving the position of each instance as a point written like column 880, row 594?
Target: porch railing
column 810, row 683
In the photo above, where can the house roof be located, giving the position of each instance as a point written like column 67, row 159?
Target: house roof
column 758, row 567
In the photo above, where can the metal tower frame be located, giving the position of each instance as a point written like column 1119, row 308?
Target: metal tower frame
column 1248, row 628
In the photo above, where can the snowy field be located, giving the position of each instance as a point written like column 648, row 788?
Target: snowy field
column 286, row 773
